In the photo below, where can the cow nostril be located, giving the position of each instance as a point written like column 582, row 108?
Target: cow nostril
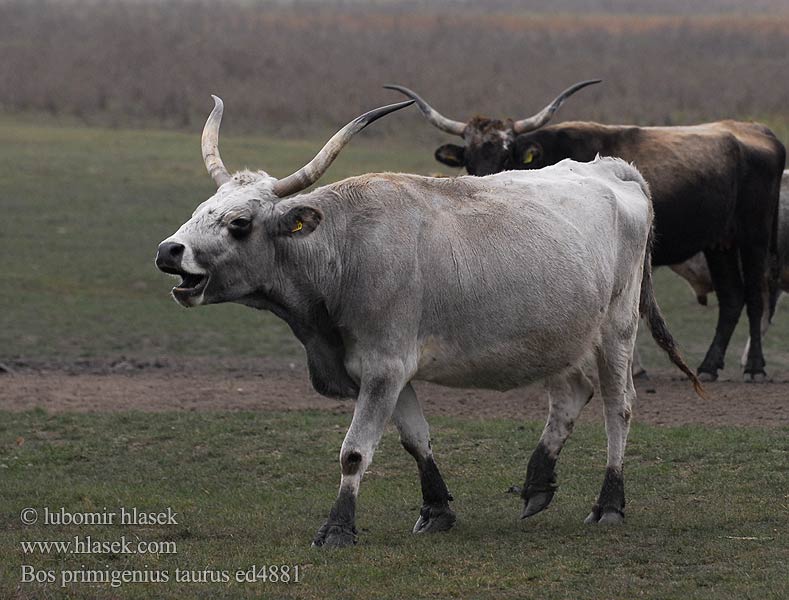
column 171, row 250
column 169, row 255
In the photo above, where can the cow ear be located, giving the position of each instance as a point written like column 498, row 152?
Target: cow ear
column 299, row 221
column 529, row 154
column 451, row 155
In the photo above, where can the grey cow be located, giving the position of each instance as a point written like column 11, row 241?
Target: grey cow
column 488, row 282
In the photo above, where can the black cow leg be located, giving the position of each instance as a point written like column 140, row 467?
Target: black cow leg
column 610, row 507
column 754, row 263
column 540, row 485
column 727, row 281
column 435, row 514
column 340, row 528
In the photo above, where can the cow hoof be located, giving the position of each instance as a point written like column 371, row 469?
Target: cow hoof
column 334, row 535
column 433, row 519
column 757, row 377
column 607, row 517
column 613, row 517
column 706, row 377
column 535, row 503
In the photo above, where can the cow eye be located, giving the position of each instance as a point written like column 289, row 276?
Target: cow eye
column 240, row 227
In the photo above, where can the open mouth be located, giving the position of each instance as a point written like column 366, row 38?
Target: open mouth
column 192, row 286
column 191, row 283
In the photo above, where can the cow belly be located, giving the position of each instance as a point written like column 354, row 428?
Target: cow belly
column 540, row 325
column 503, row 365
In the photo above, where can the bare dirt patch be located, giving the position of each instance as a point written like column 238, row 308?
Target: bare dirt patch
column 267, row 384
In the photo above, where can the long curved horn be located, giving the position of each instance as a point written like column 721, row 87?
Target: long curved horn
column 210, row 145
column 542, row 117
column 312, row 171
column 431, row 114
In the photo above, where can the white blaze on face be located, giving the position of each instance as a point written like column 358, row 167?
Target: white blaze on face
column 505, row 139
column 188, row 261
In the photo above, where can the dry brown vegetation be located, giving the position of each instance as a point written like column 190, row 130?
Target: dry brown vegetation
column 292, row 67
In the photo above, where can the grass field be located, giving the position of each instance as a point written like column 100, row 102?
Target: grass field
column 86, row 208
column 707, row 510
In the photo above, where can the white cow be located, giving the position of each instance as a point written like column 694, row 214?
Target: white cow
column 488, row 282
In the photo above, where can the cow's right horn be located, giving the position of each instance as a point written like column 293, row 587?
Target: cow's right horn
column 312, row 171
column 431, row 114
column 210, row 145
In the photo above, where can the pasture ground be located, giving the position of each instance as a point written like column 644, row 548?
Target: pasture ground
column 269, row 384
column 707, row 507
column 116, row 397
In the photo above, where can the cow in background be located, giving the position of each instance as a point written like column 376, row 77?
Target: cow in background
column 696, row 272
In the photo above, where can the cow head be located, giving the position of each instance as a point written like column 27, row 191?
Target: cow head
column 489, row 143
column 221, row 253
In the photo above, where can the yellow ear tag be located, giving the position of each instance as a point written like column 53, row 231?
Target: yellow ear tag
column 297, row 227
column 528, row 157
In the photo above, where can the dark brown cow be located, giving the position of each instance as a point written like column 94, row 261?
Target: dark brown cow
column 715, row 189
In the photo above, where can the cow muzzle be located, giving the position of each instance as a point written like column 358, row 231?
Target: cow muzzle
column 169, row 259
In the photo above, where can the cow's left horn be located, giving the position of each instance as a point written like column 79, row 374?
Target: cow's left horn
column 210, row 145
column 312, row 171
column 542, row 117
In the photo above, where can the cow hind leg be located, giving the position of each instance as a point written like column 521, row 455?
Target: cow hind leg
column 639, row 372
column 725, row 272
column 754, row 266
column 567, row 395
column 767, row 301
column 618, row 391
column 435, row 514
column 375, row 404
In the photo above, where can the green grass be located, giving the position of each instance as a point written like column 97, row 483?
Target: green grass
column 707, row 511
column 84, row 210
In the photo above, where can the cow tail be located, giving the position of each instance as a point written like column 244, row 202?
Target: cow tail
column 657, row 325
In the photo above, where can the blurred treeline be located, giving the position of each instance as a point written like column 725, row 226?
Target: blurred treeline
column 292, row 67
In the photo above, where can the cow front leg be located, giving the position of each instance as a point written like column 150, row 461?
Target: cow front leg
column 374, row 406
column 435, row 514
column 567, row 395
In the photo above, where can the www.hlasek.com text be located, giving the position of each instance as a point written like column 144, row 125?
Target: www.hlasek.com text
column 90, row 545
